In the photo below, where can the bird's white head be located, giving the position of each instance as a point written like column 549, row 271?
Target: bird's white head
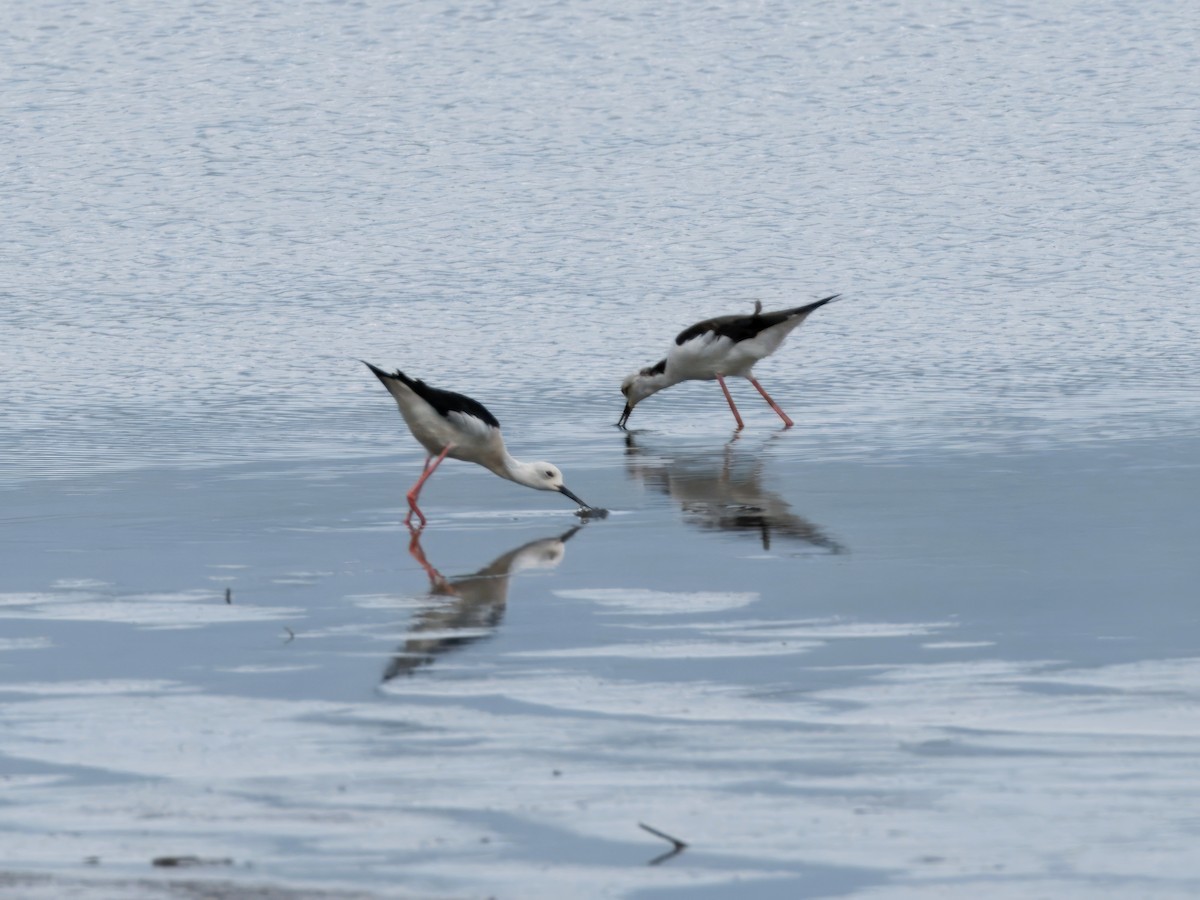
column 639, row 385
column 543, row 476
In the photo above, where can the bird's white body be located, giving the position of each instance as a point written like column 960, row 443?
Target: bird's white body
column 716, row 349
column 473, row 439
column 708, row 355
column 469, row 438
column 452, row 425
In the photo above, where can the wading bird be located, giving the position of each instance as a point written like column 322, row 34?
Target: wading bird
column 727, row 346
column 449, row 424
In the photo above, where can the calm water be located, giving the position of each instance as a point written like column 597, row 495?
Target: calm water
column 938, row 639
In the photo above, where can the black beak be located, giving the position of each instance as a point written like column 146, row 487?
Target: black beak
column 563, row 490
column 624, row 416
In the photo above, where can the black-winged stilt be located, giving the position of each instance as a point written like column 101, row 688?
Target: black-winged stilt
column 726, row 346
column 449, row 424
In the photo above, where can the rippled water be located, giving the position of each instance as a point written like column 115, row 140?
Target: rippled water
column 939, row 637
column 212, row 213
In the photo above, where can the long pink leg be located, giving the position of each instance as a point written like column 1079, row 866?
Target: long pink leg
column 415, row 491
column 411, row 507
column 787, row 423
column 736, row 414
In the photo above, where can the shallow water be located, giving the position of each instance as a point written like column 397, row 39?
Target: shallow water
column 950, row 674
column 938, row 638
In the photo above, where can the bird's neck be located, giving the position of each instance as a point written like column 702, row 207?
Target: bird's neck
column 652, row 384
column 515, row 470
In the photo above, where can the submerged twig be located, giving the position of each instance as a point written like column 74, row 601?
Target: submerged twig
column 662, row 834
column 677, row 846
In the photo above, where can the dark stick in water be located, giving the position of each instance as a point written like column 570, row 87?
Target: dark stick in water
column 677, row 846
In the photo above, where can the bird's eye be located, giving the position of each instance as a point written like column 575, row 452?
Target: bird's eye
column 549, row 474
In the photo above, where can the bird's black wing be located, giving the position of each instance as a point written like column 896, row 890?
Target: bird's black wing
column 743, row 328
column 443, row 402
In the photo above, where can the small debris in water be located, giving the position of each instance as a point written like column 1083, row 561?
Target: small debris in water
column 170, row 862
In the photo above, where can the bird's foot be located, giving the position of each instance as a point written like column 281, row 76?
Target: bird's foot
column 413, row 508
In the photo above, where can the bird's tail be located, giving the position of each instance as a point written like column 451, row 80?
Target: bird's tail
column 388, row 377
column 397, row 383
column 810, row 307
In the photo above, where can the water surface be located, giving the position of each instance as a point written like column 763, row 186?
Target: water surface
column 939, row 638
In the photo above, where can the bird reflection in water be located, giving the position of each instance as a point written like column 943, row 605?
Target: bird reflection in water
column 467, row 609
column 719, row 492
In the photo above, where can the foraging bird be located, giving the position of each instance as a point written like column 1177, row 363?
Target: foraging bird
column 449, row 424
column 716, row 348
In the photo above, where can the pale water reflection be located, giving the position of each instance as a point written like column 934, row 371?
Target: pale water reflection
column 724, row 490
column 961, row 699
column 467, row 608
